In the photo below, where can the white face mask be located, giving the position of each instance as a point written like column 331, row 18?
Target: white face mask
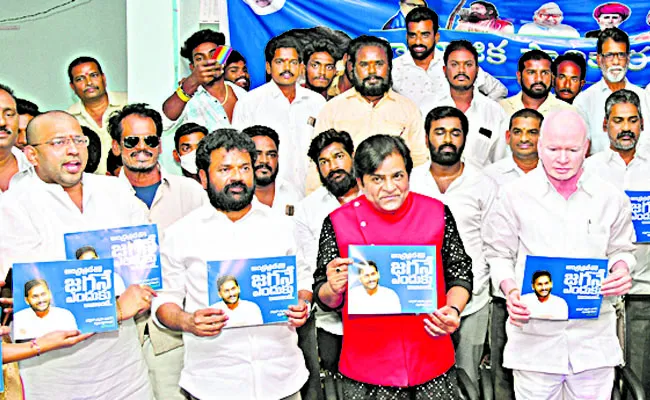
column 188, row 162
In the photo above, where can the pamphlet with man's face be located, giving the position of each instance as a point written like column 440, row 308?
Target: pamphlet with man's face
column 392, row 279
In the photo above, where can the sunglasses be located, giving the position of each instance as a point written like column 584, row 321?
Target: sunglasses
column 132, row 141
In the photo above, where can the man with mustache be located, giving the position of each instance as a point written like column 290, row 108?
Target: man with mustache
column 419, row 74
column 541, row 303
column 320, row 58
column 26, row 112
column 486, row 117
column 569, row 71
column 270, row 190
column 136, row 132
column 233, row 226
column 482, row 16
column 239, row 312
column 95, row 105
column 627, row 166
column 370, row 297
column 13, row 163
column 468, row 193
column 284, row 106
column 613, row 58
column 237, row 70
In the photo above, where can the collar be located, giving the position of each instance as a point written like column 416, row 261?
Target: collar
column 407, row 59
column 276, row 93
column 164, row 177
column 613, row 156
column 586, row 182
column 24, row 166
column 114, row 100
column 207, row 212
column 602, row 85
column 352, row 92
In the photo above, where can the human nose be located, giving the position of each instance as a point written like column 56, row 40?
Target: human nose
column 524, row 136
column 321, row 69
column 372, row 68
column 261, row 158
column 564, row 157
column 389, row 185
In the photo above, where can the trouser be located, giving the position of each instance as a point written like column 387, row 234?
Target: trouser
column 443, row 387
column 329, row 350
column 471, row 342
column 164, row 371
column 501, row 377
column 307, row 342
column 593, row 384
column 637, row 337
column 295, row 396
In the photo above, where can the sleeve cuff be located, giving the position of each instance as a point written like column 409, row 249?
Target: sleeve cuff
column 322, row 305
column 464, row 284
column 628, row 258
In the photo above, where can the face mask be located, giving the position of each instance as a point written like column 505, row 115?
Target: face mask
column 188, row 162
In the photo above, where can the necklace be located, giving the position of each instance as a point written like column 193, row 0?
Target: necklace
column 225, row 100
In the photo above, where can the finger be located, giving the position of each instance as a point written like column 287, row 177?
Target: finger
column 431, row 327
column 618, row 281
column 6, row 300
column 298, row 307
column 296, row 314
column 208, row 312
column 445, row 319
column 515, row 322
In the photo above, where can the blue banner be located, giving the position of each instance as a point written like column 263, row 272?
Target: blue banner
column 640, row 215
column 501, row 31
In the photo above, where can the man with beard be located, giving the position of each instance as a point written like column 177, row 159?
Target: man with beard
column 239, row 312
column 270, row 190
column 320, row 64
column 232, row 226
column 237, row 70
column 284, row 106
column 627, row 166
column 419, row 73
column 13, row 163
column 486, row 117
column 569, row 71
column 136, row 131
column 95, row 104
column 482, row 16
column 468, row 193
column 613, row 58
column 204, row 97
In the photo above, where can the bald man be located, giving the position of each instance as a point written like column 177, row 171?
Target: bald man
column 61, row 198
column 13, row 164
column 560, row 210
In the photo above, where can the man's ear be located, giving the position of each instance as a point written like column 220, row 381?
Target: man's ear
column 176, row 156
column 115, row 148
column 204, row 179
column 30, row 153
column 268, row 68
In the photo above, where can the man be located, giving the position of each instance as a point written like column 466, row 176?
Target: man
column 419, row 74
column 370, row 297
column 61, row 199
column 136, row 132
column 204, row 97
column 242, row 228
column 265, row 7
column 239, row 312
column 627, row 166
column 569, row 71
column 95, row 105
column 270, row 190
column 609, row 15
column 398, row 21
column 613, row 58
column 541, row 303
column 486, row 117
column 14, row 166
column 26, row 112
column 237, row 71
column 186, row 141
column 86, row 253
column 320, row 65
column 547, row 21
column 482, row 16
column 397, row 356
column 468, row 193
column 583, row 217
column 41, row 317
column 522, row 137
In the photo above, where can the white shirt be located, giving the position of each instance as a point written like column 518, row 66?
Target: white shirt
column 591, row 104
column 469, row 198
column 554, row 307
column 28, row 325
column 417, row 84
column 634, row 176
column 531, row 217
column 383, row 301
column 285, row 195
column 34, row 219
column 293, row 122
column 245, row 314
column 559, row 30
column 25, row 168
column 483, row 114
column 260, row 362
column 309, row 217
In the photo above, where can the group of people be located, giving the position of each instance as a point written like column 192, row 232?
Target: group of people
column 425, row 149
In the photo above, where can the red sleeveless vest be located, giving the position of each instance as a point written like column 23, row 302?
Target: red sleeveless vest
column 393, row 350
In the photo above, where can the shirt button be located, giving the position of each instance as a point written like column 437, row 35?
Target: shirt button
column 363, row 223
column 357, row 204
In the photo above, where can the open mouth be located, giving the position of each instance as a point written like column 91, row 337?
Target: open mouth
column 72, row 167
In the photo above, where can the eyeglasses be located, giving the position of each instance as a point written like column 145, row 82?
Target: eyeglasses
column 60, row 142
column 132, row 141
column 610, row 56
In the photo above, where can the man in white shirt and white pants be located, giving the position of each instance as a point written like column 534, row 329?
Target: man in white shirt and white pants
column 561, row 210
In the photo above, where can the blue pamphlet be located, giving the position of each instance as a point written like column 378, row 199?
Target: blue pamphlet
column 253, row 291
column 392, row 279
column 63, row 295
column 563, row 288
column 640, row 215
column 135, row 250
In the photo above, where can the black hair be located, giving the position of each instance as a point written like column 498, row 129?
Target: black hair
column 617, row 35
column 83, row 60
column 541, row 273
column 622, row 96
column 366, row 40
column 322, row 45
column 113, row 162
column 29, row 285
column 488, row 7
column 261, row 130
column 326, row 138
column 186, row 129
column 374, row 150
column 94, row 149
column 27, row 107
column 197, row 38
column 441, row 112
column 226, row 278
column 284, row 40
column 372, row 264
column 419, row 14
column 8, row 90
column 223, row 138
column 141, row 109
column 235, row 57
column 462, row 44
column 571, row 56
column 83, row 250
column 532, row 55
column 526, row 113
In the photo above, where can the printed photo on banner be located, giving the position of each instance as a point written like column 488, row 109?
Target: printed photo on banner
column 253, row 291
column 640, row 214
column 63, row 295
column 392, row 280
column 563, row 288
column 134, row 249
column 265, row 7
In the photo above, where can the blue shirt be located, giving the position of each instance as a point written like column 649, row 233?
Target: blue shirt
column 146, row 193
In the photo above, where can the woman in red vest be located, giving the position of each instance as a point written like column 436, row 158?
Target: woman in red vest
column 403, row 356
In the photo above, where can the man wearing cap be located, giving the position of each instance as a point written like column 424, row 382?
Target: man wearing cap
column 609, row 15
